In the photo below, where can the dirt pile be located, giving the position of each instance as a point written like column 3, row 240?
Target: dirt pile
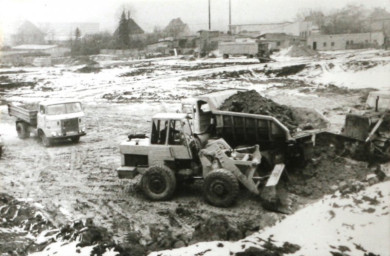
column 7, row 83
column 285, row 71
column 293, row 118
column 327, row 172
column 252, row 102
column 137, row 72
column 20, row 224
column 89, row 69
column 300, row 51
column 84, row 60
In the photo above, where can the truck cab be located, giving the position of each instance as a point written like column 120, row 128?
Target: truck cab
column 169, row 142
column 61, row 120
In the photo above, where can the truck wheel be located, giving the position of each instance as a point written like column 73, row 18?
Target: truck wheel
column 221, row 188
column 22, row 130
column 158, row 183
column 75, row 139
column 226, row 56
column 45, row 140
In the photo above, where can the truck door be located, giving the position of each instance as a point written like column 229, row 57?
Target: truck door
column 41, row 117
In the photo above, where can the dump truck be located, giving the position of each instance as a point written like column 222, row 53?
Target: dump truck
column 49, row 120
column 171, row 155
column 277, row 142
column 249, row 49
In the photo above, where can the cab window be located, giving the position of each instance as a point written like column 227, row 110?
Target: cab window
column 174, row 133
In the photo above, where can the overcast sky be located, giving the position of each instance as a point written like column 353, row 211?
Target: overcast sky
column 151, row 13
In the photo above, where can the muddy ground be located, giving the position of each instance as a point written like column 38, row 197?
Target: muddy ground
column 72, row 182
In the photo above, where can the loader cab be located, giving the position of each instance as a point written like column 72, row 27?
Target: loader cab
column 169, row 129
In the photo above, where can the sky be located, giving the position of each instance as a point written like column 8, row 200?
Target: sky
column 151, row 13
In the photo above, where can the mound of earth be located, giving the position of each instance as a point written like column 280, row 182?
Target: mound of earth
column 7, row 83
column 298, row 51
column 19, row 227
column 89, row 69
column 84, row 60
column 293, row 118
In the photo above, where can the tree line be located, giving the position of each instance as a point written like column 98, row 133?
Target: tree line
column 350, row 19
column 126, row 36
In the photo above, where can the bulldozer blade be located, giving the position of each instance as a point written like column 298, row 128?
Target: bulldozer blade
column 272, row 200
column 356, row 126
column 275, row 175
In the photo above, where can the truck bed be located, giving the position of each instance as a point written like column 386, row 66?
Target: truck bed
column 248, row 129
column 26, row 112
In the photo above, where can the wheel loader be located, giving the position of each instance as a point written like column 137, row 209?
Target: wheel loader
column 172, row 154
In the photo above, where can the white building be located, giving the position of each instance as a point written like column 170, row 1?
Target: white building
column 346, row 41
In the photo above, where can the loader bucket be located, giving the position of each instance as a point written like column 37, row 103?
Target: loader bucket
column 356, row 126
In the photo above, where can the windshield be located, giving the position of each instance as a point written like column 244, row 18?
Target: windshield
column 65, row 108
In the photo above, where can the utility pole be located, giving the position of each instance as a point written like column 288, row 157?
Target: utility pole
column 209, row 16
column 230, row 16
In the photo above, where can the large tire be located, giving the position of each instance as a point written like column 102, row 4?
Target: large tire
column 22, row 130
column 221, row 188
column 45, row 140
column 158, row 183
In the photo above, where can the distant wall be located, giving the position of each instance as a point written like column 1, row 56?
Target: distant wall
column 346, row 41
column 123, row 53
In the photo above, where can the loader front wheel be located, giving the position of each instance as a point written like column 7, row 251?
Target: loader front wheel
column 221, row 188
column 158, row 183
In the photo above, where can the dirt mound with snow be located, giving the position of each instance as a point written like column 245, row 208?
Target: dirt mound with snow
column 20, row 224
column 327, row 172
column 7, row 83
column 293, row 118
column 339, row 224
column 298, row 51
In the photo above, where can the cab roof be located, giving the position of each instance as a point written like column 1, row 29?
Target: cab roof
column 170, row 116
column 54, row 102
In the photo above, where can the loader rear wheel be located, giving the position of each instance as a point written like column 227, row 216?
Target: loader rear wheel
column 158, row 183
column 22, row 130
column 221, row 188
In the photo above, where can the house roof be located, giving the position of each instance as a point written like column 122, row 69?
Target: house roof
column 34, row 47
column 133, row 27
column 29, row 28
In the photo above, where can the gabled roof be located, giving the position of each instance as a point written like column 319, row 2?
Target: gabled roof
column 33, row 47
column 29, row 28
column 133, row 27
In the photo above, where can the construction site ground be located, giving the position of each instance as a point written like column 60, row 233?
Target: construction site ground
column 71, row 182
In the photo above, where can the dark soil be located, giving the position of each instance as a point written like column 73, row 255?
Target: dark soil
column 88, row 69
column 137, row 72
column 285, row 71
column 252, row 102
column 327, row 172
column 6, row 83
